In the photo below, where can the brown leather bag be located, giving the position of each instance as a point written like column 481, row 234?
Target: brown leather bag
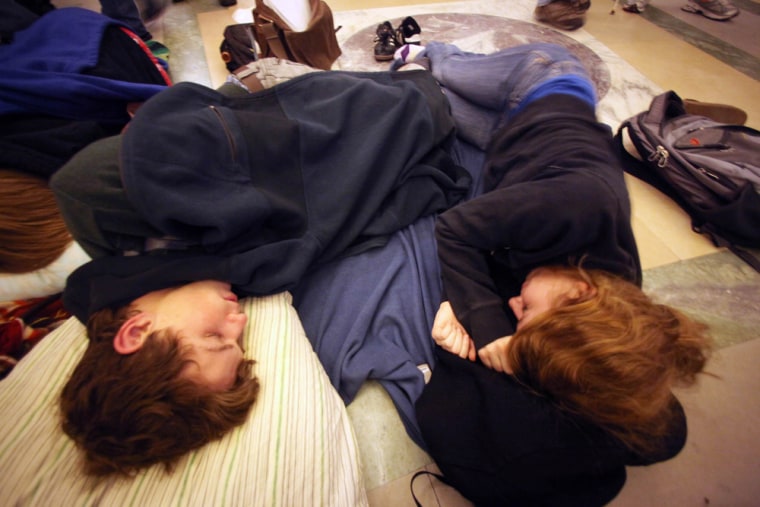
column 316, row 46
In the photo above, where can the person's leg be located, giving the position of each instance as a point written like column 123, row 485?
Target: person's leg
column 127, row 12
column 484, row 90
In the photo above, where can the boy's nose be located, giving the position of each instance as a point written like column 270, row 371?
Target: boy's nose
column 235, row 325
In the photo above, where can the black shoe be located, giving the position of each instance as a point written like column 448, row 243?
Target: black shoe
column 406, row 31
column 385, row 42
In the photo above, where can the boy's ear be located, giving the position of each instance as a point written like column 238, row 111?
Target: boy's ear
column 132, row 334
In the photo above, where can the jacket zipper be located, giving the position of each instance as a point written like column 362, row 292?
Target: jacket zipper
column 227, row 132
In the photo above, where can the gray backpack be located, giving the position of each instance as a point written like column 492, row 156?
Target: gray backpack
column 711, row 169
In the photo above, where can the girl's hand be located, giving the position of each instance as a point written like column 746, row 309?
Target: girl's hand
column 449, row 333
column 494, row 355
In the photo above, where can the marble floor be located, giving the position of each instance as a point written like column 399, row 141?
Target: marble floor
column 633, row 58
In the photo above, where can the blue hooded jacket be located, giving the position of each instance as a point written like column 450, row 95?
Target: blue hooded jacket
column 44, row 70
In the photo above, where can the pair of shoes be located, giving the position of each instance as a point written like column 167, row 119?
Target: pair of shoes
column 719, row 10
column 563, row 14
column 722, row 113
column 388, row 40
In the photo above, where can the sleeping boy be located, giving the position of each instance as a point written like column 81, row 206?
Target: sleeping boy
column 210, row 195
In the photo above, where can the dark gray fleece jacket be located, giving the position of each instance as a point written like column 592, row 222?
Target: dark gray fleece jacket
column 262, row 186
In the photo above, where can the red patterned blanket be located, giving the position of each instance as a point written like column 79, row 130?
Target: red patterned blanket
column 23, row 324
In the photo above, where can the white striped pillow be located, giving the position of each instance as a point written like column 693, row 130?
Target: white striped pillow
column 297, row 448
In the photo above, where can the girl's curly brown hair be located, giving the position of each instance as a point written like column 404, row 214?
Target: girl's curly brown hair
column 611, row 357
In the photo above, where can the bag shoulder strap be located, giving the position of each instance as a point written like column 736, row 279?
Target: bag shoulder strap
column 425, row 472
column 271, row 35
column 267, row 27
column 718, row 240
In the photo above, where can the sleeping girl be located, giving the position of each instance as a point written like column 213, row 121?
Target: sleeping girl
column 555, row 370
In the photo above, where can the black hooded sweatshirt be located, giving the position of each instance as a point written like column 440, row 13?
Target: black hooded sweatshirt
column 554, row 193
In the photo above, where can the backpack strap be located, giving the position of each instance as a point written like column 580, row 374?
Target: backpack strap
column 746, row 256
column 720, row 241
column 425, row 472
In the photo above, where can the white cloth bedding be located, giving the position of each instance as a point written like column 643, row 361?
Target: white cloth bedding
column 45, row 281
column 297, row 448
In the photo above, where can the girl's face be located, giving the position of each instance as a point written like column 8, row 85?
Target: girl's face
column 209, row 322
column 542, row 291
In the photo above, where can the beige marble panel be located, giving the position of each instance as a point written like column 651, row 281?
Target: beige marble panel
column 653, row 251
column 387, row 451
column 667, row 221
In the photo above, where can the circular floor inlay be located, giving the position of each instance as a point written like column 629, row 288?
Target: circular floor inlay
column 477, row 33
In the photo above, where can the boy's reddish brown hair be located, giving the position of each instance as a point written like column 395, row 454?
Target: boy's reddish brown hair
column 612, row 357
column 127, row 412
